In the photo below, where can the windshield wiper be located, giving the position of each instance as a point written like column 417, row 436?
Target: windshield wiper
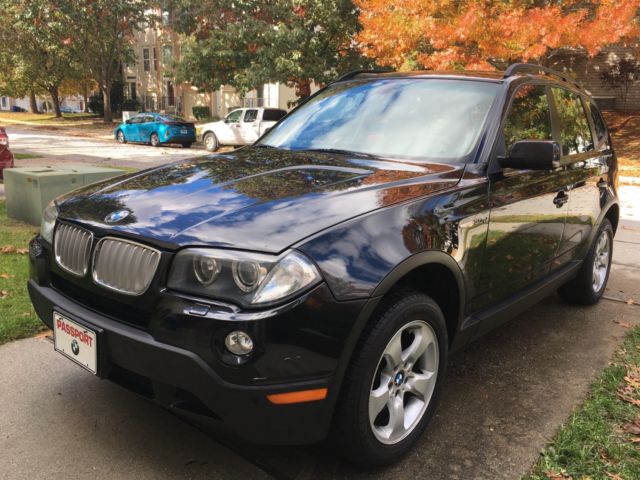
column 340, row 151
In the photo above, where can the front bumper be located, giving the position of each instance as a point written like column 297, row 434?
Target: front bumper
column 181, row 381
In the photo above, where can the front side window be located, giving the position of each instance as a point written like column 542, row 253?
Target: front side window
column 575, row 133
column 411, row 118
column 529, row 117
column 250, row 115
column 233, row 117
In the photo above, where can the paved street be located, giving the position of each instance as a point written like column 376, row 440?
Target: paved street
column 504, row 398
column 55, row 147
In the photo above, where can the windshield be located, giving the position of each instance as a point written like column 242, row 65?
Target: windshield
column 410, row 118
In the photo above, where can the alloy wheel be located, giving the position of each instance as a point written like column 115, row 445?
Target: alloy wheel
column 404, row 381
column 601, row 261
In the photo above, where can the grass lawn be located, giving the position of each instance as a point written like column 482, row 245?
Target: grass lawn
column 601, row 439
column 17, row 317
column 25, row 156
column 47, row 118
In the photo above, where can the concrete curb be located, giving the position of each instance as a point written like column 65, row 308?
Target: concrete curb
column 629, row 180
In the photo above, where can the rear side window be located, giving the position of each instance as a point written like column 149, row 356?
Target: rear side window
column 575, row 133
column 273, row 115
column 598, row 123
column 529, row 117
column 250, row 115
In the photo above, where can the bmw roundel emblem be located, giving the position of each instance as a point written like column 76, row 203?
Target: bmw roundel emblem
column 117, row 216
column 75, row 347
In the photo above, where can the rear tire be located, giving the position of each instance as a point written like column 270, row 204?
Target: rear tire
column 154, row 140
column 589, row 284
column 386, row 404
column 211, row 142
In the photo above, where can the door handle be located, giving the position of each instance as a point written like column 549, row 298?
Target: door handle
column 561, row 199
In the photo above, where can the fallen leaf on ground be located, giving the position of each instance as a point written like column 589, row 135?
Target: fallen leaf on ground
column 3, row 294
column 22, row 251
column 632, row 427
column 614, row 476
column 623, row 324
column 7, row 249
column 551, row 475
column 4, row 275
column 630, row 301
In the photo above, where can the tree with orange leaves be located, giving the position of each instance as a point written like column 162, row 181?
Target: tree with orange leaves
column 475, row 34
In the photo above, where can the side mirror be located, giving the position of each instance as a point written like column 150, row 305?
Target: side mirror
column 128, row 122
column 532, row 155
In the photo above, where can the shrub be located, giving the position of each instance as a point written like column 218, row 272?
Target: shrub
column 201, row 113
column 96, row 103
column 130, row 105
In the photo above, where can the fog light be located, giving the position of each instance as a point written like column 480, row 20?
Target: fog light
column 239, row 343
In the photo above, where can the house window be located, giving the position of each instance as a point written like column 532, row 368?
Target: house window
column 145, row 59
column 167, row 53
column 155, row 58
column 132, row 91
column 4, row 102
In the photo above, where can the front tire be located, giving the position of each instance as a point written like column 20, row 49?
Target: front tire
column 211, row 142
column 589, row 284
column 120, row 137
column 186, row 145
column 391, row 387
column 154, row 140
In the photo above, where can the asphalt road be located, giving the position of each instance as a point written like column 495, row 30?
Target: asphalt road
column 504, row 398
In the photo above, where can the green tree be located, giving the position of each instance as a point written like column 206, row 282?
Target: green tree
column 246, row 43
column 104, row 32
column 36, row 47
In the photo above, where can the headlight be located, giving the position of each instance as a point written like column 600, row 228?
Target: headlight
column 49, row 216
column 240, row 277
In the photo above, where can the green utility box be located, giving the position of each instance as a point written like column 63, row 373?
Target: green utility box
column 30, row 189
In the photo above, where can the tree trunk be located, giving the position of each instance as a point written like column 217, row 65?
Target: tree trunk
column 85, row 95
column 53, row 91
column 33, row 103
column 106, row 97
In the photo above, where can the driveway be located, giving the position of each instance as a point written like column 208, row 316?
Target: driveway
column 504, row 398
column 57, row 148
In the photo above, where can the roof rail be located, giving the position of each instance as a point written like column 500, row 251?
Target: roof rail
column 533, row 68
column 355, row 73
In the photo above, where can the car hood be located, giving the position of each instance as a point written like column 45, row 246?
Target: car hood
column 261, row 199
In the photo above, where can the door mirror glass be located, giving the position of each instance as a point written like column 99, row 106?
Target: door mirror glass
column 532, row 155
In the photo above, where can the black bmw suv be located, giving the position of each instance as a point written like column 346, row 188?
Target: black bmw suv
column 316, row 281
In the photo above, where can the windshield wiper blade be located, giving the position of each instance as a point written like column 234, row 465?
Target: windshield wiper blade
column 341, row 152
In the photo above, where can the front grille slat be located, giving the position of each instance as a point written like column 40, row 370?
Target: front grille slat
column 124, row 266
column 72, row 247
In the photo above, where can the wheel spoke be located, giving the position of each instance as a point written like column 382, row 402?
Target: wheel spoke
column 393, row 352
column 419, row 384
column 419, row 345
column 396, row 416
column 379, row 398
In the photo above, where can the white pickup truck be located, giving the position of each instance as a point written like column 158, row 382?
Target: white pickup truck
column 240, row 127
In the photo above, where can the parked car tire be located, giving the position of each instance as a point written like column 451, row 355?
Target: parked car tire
column 211, row 142
column 589, row 285
column 120, row 137
column 395, row 376
column 155, row 140
column 186, row 145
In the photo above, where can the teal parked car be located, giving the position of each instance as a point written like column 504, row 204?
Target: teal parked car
column 156, row 129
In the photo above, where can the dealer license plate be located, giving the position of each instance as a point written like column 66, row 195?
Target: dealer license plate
column 76, row 342
column 183, row 130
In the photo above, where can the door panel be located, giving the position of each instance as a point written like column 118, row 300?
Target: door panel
column 586, row 162
column 528, row 208
column 146, row 128
column 250, row 126
column 228, row 132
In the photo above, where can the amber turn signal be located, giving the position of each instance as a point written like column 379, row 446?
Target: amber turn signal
column 298, row 397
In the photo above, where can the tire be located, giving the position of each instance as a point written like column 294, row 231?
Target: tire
column 154, row 140
column 588, row 286
column 186, row 145
column 120, row 137
column 367, row 438
column 211, row 142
